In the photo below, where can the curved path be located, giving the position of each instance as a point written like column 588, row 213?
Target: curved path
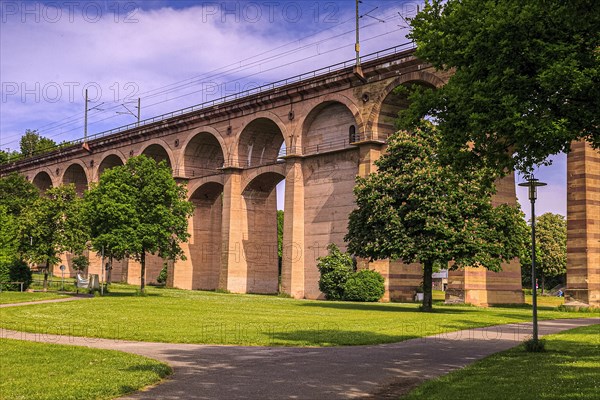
column 380, row 371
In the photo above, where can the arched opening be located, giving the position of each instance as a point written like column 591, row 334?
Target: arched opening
column 260, row 143
column 260, row 246
column 205, row 243
column 391, row 106
column 76, row 175
column 158, row 154
column 203, row 156
column 109, row 162
column 329, row 126
column 42, row 182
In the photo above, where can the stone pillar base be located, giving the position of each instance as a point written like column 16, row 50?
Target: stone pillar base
column 582, row 297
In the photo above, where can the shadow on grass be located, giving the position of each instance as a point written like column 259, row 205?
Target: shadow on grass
column 408, row 307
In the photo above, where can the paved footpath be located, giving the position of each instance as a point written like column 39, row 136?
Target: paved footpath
column 59, row 300
column 377, row 372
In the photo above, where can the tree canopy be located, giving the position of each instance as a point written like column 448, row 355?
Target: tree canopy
column 416, row 209
column 138, row 208
column 32, row 143
column 551, row 248
column 526, row 77
column 51, row 225
column 16, row 193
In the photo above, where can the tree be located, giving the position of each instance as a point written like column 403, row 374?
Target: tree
column 137, row 209
column 51, row 225
column 16, row 193
column 526, row 79
column 551, row 248
column 32, row 144
column 416, row 209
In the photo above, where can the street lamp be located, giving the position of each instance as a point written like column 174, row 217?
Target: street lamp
column 533, row 184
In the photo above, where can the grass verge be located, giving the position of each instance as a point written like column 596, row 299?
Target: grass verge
column 182, row 316
column 24, row 297
column 567, row 370
column 37, row 371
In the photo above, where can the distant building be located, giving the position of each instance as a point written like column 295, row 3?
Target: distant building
column 440, row 280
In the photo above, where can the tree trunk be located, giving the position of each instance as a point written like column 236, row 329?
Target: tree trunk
column 143, row 271
column 427, row 283
column 543, row 281
column 46, row 274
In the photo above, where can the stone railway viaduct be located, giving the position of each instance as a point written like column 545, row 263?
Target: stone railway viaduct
column 317, row 131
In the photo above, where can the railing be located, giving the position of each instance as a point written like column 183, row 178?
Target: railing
column 236, row 96
column 12, row 283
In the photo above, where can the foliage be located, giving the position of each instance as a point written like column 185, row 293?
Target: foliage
column 195, row 316
column 8, row 235
column 335, row 268
column 535, row 346
column 526, row 77
column 53, row 224
column 416, row 209
column 37, row 371
column 14, row 271
column 551, row 250
column 364, row 285
column 138, row 208
column 162, row 276
column 32, row 143
column 280, row 233
column 80, row 262
column 16, row 193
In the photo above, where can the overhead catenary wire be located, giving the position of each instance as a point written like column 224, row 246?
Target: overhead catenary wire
column 225, row 71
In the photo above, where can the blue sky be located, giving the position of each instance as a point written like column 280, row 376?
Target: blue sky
column 175, row 54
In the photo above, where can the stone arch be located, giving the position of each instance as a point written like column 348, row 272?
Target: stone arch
column 327, row 126
column 76, row 174
column 386, row 105
column 159, row 150
column 203, row 153
column 205, row 241
column 42, row 181
column 249, row 176
column 260, row 141
column 259, row 232
column 109, row 160
column 194, row 184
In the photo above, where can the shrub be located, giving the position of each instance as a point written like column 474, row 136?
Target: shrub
column 162, row 276
column 14, row 271
column 532, row 346
column 335, row 269
column 364, row 285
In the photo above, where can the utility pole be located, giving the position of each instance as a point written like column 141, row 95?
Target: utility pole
column 85, row 119
column 357, row 44
column 139, row 110
column 357, row 69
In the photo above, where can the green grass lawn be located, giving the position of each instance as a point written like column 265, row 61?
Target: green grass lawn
column 569, row 369
column 35, row 371
column 182, row 316
column 22, row 297
column 546, row 301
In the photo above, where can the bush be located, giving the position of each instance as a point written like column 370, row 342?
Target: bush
column 14, row 271
column 532, row 346
column 162, row 276
column 335, row 269
column 364, row 285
